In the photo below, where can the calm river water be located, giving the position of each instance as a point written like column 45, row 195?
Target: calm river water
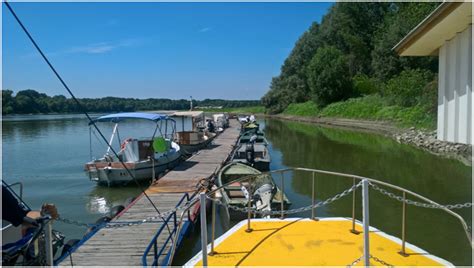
column 47, row 154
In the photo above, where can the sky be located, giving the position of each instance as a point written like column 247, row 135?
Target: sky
column 153, row 50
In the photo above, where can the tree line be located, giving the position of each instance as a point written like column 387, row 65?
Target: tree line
column 349, row 54
column 31, row 102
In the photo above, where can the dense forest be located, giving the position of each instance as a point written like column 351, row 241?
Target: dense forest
column 30, row 101
column 349, row 55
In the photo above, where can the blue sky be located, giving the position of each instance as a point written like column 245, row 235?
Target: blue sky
column 154, row 50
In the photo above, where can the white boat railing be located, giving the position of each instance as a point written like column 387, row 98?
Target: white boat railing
column 357, row 181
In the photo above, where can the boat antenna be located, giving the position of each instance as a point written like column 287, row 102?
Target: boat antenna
column 82, row 109
column 191, row 103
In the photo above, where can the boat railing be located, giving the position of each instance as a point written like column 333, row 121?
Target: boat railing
column 172, row 235
column 357, row 181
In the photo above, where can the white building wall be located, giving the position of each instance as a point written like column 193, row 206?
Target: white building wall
column 455, row 89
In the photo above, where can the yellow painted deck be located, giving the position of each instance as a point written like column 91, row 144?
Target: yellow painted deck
column 296, row 242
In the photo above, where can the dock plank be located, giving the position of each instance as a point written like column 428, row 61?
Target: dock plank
column 125, row 245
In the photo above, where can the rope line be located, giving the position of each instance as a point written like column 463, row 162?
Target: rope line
column 83, row 110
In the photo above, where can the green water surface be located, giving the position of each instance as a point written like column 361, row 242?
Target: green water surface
column 47, row 153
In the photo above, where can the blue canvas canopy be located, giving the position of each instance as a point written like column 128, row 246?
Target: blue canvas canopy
column 115, row 118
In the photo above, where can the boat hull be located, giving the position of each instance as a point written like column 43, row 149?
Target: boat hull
column 262, row 165
column 192, row 148
column 116, row 174
column 233, row 195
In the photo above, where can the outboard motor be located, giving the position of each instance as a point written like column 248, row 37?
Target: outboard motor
column 250, row 153
column 250, row 150
column 263, row 197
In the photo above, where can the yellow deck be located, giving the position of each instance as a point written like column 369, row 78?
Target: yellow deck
column 293, row 242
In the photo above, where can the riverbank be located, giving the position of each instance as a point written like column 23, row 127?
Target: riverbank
column 422, row 139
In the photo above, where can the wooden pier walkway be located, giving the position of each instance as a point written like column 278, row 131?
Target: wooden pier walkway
column 126, row 245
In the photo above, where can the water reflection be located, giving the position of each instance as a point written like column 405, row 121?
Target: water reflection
column 443, row 180
column 102, row 199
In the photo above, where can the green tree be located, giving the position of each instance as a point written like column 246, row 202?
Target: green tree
column 328, row 76
column 408, row 88
column 397, row 23
column 350, row 28
column 8, row 102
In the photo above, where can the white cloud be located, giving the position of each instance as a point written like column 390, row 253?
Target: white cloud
column 203, row 30
column 100, row 47
column 97, row 48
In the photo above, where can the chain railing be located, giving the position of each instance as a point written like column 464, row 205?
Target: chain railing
column 374, row 184
column 289, row 211
column 356, row 182
column 356, row 261
column 419, row 204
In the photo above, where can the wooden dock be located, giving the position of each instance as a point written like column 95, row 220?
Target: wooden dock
column 125, row 245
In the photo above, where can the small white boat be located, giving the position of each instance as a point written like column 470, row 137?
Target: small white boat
column 221, row 120
column 143, row 158
column 191, row 134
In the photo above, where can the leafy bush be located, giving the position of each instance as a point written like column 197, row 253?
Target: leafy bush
column 407, row 88
column 365, row 85
column 375, row 107
column 328, row 76
column 365, row 107
column 308, row 108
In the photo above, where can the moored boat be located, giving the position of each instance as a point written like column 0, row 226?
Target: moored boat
column 138, row 158
column 252, row 150
column 238, row 193
column 190, row 131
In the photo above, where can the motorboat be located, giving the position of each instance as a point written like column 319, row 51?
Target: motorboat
column 248, row 123
column 191, row 133
column 262, row 189
column 137, row 158
column 221, row 121
column 252, row 150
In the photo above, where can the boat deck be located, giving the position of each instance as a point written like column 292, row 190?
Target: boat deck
column 295, row 242
column 126, row 245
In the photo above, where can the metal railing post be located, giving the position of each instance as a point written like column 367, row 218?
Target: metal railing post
column 213, row 232
column 312, row 198
column 354, row 231
column 49, row 244
column 365, row 218
column 202, row 197
column 249, row 207
column 282, row 199
column 404, row 205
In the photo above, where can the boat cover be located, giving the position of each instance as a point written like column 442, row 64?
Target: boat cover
column 122, row 116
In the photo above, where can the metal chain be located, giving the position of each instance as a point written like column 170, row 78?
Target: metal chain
column 380, row 261
column 73, row 222
column 149, row 219
column 123, row 224
column 355, row 261
column 290, row 211
column 371, row 257
column 418, row 204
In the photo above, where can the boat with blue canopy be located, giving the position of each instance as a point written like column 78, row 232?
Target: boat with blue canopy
column 136, row 158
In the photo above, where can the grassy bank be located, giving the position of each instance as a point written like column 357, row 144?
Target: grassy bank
column 371, row 107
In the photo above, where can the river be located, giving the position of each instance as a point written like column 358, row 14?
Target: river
column 47, row 153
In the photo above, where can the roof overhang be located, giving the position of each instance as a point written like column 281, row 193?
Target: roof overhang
column 441, row 25
column 115, row 118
